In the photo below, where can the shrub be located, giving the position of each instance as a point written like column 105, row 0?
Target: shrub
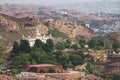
column 43, row 70
column 14, row 71
column 56, row 33
column 52, row 70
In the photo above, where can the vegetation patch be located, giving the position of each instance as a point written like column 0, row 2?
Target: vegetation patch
column 56, row 33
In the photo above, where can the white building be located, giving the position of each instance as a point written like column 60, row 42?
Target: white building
column 38, row 35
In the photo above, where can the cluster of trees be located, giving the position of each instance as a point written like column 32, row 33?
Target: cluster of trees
column 24, row 46
column 24, row 54
column 63, row 59
column 96, row 43
column 44, row 53
column 48, row 53
column 63, row 45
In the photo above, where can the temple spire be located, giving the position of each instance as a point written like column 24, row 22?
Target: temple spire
column 38, row 32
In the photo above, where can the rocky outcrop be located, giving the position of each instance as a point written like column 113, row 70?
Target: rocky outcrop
column 112, row 37
column 72, row 30
column 27, row 26
column 31, row 22
column 8, row 24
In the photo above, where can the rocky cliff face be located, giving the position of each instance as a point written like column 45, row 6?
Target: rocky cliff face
column 8, row 24
column 10, row 30
column 72, row 30
column 31, row 23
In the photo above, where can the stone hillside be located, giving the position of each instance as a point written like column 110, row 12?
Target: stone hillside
column 12, row 29
column 9, row 24
column 72, row 30
column 112, row 37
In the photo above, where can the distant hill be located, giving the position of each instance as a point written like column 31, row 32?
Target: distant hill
column 99, row 22
column 19, row 10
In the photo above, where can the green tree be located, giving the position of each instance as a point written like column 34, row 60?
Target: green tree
column 81, row 54
column 58, row 54
column 75, row 46
column 64, row 61
column 90, row 68
column 22, row 59
column 96, row 43
column 68, row 43
column 38, row 43
column 60, row 46
column 92, row 43
column 77, row 59
column 25, row 46
column 38, row 55
column 101, row 43
column 15, row 48
column 82, row 43
column 115, row 45
column 49, row 46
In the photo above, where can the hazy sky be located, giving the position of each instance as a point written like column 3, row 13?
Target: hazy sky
column 47, row 2
column 44, row 2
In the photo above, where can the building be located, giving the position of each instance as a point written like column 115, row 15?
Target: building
column 38, row 35
column 36, row 68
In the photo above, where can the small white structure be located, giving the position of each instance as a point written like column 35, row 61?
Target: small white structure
column 62, row 12
column 38, row 35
